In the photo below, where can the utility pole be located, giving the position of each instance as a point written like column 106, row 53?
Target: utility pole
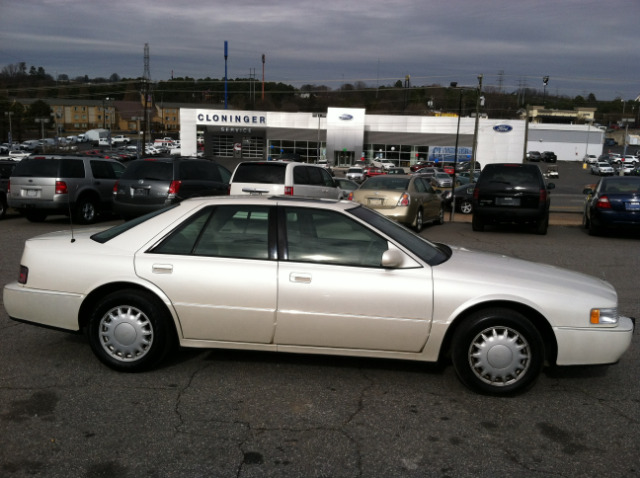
column 263, row 58
column 226, row 55
column 474, row 152
column 146, row 78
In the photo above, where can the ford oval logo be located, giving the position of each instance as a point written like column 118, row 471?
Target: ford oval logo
column 345, row 117
column 502, row 128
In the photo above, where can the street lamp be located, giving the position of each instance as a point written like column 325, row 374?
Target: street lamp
column 455, row 155
column 104, row 113
column 10, row 114
column 319, row 115
column 42, row 122
column 545, row 81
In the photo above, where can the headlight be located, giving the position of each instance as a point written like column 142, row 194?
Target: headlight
column 604, row 316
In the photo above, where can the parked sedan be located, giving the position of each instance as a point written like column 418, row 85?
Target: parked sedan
column 464, row 198
column 410, row 200
column 174, row 276
column 346, row 186
column 614, row 203
column 602, row 168
column 441, row 180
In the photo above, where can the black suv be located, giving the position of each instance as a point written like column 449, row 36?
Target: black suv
column 511, row 192
column 549, row 157
column 79, row 186
column 154, row 183
column 6, row 167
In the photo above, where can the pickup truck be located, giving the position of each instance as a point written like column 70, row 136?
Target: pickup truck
column 120, row 138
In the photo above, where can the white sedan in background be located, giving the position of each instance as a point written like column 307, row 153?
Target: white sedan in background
column 602, row 168
column 280, row 274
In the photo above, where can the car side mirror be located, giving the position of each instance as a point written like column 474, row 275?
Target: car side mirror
column 392, row 259
column 551, row 186
column 587, row 191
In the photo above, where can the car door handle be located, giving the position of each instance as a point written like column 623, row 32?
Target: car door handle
column 162, row 268
column 300, row 277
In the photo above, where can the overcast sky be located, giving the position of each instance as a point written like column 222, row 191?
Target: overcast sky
column 584, row 46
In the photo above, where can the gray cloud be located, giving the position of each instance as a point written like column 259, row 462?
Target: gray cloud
column 585, row 46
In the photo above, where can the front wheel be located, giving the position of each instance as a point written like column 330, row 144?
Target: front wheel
column 130, row 331
column 498, row 352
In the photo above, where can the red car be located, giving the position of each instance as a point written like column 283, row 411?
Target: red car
column 371, row 171
column 421, row 164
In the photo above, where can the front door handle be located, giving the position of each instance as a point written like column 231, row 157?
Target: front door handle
column 300, row 277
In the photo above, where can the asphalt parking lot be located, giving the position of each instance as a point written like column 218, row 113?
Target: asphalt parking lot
column 242, row 414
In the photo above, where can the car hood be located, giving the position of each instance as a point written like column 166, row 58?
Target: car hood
column 564, row 297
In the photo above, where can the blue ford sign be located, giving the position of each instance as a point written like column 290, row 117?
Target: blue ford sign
column 502, row 128
column 345, row 117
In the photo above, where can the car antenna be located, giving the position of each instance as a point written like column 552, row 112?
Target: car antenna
column 73, row 239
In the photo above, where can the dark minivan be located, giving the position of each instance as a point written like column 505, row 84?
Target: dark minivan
column 511, row 193
column 154, row 183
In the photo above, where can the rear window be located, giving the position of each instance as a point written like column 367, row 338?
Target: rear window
column 386, row 183
column 511, row 175
column 261, row 173
column 200, row 170
column 37, row 168
column 149, row 170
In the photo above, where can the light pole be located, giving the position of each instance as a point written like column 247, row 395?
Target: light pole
column 104, row 113
column 455, row 155
column 479, row 102
column 545, row 82
column 318, row 115
column 10, row 114
column 42, row 122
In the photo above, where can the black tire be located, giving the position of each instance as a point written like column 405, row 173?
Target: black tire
column 542, row 225
column 418, row 223
column 465, row 206
column 3, row 207
column 35, row 216
column 497, row 352
column 130, row 331
column 477, row 224
column 593, row 229
column 86, row 211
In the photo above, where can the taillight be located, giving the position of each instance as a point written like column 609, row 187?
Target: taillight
column 404, row 200
column 115, row 188
column 9, row 187
column 61, row 187
column 24, row 274
column 476, row 193
column 174, row 188
column 350, row 196
column 543, row 195
column 288, row 190
column 603, row 203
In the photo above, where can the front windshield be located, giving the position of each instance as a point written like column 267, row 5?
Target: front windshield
column 429, row 252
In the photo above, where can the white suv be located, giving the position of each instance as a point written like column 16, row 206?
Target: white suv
column 283, row 178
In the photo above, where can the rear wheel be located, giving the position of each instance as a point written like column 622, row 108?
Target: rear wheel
column 3, row 206
column 419, row 221
column 86, row 211
column 466, row 207
column 498, row 352
column 35, row 216
column 542, row 225
column 477, row 224
column 130, row 331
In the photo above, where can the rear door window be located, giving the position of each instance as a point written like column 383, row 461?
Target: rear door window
column 72, row 168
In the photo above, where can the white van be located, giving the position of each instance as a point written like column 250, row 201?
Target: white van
column 283, row 178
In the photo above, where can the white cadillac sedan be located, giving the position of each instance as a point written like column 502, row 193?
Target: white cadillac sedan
column 280, row 274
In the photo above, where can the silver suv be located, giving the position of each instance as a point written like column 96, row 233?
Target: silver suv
column 78, row 186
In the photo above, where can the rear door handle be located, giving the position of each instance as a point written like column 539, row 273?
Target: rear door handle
column 162, row 268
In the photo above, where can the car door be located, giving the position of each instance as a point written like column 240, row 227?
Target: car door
column 219, row 275
column 333, row 293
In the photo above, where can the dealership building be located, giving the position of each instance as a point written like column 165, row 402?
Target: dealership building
column 342, row 136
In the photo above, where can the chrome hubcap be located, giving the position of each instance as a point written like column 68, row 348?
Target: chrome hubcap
column 126, row 333
column 499, row 356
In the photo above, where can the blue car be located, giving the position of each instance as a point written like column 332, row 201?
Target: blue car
column 614, row 203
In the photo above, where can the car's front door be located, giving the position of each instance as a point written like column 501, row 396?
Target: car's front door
column 333, row 293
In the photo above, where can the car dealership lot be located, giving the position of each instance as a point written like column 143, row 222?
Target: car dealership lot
column 234, row 413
